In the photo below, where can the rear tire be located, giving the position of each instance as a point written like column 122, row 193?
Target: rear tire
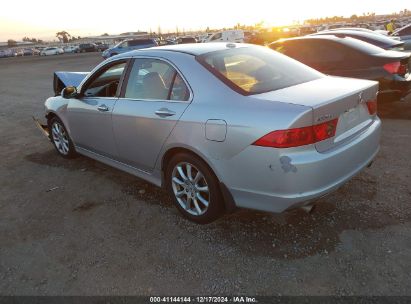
column 195, row 188
column 60, row 138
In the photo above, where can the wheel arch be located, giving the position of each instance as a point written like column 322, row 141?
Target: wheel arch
column 229, row 203
column 166, row 157
column 51, row 114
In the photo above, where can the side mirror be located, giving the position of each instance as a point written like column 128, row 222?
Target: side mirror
column 69, row 92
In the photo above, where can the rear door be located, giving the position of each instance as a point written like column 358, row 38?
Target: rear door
column 152, row 101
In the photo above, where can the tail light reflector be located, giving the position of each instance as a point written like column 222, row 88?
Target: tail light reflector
column 298, row 136
column 372, row 107
column 396, row 68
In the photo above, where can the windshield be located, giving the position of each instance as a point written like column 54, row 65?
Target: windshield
column 255, row 70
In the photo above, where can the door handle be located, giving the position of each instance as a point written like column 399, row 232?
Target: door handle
column 103, row 108
column 164, row 113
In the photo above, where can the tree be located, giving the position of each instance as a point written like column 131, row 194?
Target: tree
column 63, row 36
column 11, row 43
column 27, row 39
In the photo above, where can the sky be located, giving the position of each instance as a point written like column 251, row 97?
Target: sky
column 42, row 19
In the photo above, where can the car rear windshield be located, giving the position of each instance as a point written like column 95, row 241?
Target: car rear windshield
column 255, row 70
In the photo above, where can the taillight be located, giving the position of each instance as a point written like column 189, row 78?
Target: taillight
column 396, row 68
column 325, row 130
column 372, row 107
column 298, row 136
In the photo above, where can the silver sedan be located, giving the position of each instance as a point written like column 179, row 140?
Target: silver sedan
column 219, row 125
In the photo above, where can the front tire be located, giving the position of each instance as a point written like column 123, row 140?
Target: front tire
column 61, row 139
column 195, row 188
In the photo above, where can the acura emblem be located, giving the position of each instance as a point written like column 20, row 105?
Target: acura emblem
column 360, row 99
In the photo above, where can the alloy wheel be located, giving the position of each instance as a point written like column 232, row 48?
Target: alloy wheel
column 60, row 138
column 190, row 188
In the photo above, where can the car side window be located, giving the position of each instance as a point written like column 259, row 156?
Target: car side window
column 106, row 84
column 154, row 79
column 179, row 89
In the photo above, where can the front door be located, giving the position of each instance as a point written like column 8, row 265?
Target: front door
column 154, row 99
column 90, row 115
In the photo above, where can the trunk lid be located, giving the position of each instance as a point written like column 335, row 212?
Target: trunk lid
column 332, row 98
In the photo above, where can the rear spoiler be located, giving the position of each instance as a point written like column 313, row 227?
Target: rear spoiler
column 65, row 79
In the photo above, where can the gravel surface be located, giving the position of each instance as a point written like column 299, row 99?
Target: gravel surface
column 78, row 227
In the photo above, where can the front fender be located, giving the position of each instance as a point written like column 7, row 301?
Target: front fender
column 57, row 106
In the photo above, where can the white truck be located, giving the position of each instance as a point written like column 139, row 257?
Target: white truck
column 227, row 36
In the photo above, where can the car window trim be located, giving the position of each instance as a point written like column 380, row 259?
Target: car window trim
column 131, row 64
column 170, row 90
column 98, row 73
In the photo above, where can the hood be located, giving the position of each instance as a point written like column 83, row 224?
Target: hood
column 65, row 79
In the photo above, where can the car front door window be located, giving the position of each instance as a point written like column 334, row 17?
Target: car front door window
column 106, row 84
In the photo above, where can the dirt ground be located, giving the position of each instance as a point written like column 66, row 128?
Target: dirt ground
column 104, row 232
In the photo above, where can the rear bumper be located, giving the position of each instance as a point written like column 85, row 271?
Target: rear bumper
column 275, row 180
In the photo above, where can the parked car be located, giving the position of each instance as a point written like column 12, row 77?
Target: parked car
column 36, row 51
column 360, row 29
column 18, row 52
column 28, row 52
column 182, row 40
column 167, row 42
column 404, row 34
column 350, row 57
column 227, row 36
column 86, row 48
column 6, row 53
column 51, row 51
column 129, row 45
column 218, row 125
column 376, row 39
column 101, row 46
column 204, row 38
column 306, row 30
column 70, row 49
